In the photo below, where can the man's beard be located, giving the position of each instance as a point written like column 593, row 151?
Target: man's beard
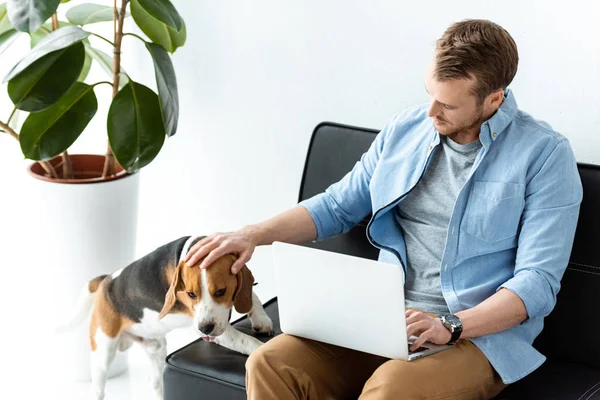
column 477, row 120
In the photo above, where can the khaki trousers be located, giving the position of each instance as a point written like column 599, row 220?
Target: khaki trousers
column 288, row 367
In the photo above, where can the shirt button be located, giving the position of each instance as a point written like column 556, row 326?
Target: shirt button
column 494, row 134
column 430, row 147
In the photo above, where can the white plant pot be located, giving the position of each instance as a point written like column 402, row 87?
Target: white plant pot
column 89, row 230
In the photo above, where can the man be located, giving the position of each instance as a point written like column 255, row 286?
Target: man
column 475, row 199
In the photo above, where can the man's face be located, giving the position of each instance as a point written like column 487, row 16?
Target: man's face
column 454, row 109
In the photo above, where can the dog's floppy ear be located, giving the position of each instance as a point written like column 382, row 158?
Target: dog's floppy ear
column 176, row 286
column 242, row 298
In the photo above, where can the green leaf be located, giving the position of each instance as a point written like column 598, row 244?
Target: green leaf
column 136, row 130
column 5, row 24
column 46, row 134
column 105, row 63
column 42, row 83
column 44, row 31
column 85, row 70
column 8, row 33
column 160, row 33
column 7, row 38
column 163, row 11
column 167, row 86
column 89, row 13
column 29, row 15
column 57, row 40
column 16, row 119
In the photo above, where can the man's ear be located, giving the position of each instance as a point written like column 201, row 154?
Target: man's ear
column 242, row 297
column 496, row 98
column 176, row 286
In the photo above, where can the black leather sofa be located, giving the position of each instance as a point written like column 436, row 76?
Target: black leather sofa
column 570, row 340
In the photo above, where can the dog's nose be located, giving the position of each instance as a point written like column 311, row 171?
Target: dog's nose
column 206, row 328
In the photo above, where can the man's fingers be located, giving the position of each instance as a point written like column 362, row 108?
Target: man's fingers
column 213, row 256
column 414, row 316
column 199, row 254
column 236, row 267
column 241, row 261
column 194, row 249
column 425, row 336
column 417, row 328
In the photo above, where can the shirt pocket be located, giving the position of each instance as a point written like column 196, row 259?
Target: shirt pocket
column 494, row 210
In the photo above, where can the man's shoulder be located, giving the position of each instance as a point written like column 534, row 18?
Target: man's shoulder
column 411, row 114
column 531, row 128
column 411, row 117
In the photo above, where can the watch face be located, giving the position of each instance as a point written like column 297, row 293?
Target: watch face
column 453, row 320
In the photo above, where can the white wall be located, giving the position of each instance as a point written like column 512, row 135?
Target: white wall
column 255, row 77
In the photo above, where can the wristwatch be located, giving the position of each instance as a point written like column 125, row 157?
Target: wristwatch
column 453, row 324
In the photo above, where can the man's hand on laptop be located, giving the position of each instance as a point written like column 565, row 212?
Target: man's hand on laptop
column 426, row 328
column 240, row 243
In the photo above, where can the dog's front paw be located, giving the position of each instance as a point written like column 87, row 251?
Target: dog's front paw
column 261, row 323
column 252, row 346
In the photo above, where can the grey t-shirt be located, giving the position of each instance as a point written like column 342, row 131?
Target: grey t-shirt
column 424, row 216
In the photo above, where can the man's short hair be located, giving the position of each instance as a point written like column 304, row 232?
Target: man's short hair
column 480, row 49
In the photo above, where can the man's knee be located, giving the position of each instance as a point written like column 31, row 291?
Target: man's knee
column 258, row 359
column 271, row 355
column 394, row 380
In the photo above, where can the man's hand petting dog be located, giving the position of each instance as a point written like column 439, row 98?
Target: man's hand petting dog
column 427, row 328
column 240, row 243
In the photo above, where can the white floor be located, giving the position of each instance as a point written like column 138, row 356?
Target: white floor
column 22, row 378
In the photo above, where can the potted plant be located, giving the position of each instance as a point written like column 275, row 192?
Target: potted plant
column 89, row 201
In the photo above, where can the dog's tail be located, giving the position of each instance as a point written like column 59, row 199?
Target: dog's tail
column 83, row 306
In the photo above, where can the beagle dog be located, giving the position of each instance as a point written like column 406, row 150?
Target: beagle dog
column 159, row 292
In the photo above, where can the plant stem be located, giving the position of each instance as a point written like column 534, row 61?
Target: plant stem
column 48, row 168
column 54, row 22
column 12, row 114
column 103, row 38
column 134, row 35
column 45, row 164
column 67, row 166
column 67, row 169
column 118, row 18
column 100, row 83
column 9, row 130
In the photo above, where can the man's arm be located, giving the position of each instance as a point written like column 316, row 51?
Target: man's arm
column 547, row 231
column 292, row 226
column 348, row 201
column 497, row 313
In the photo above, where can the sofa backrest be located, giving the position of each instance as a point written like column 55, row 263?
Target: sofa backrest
column 572, row 329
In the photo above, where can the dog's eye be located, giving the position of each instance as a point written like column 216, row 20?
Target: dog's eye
column 219, row 292
column 192, row 295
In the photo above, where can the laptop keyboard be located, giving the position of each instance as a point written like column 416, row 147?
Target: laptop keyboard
column 417, row 350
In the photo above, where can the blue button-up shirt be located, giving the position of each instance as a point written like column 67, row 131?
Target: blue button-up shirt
column 512, row 226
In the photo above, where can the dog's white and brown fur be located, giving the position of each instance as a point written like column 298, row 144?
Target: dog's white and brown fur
column 159, row 292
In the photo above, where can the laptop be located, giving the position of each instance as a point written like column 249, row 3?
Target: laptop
column 344, row 300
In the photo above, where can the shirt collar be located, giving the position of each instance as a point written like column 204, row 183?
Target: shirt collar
column 493, row 127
